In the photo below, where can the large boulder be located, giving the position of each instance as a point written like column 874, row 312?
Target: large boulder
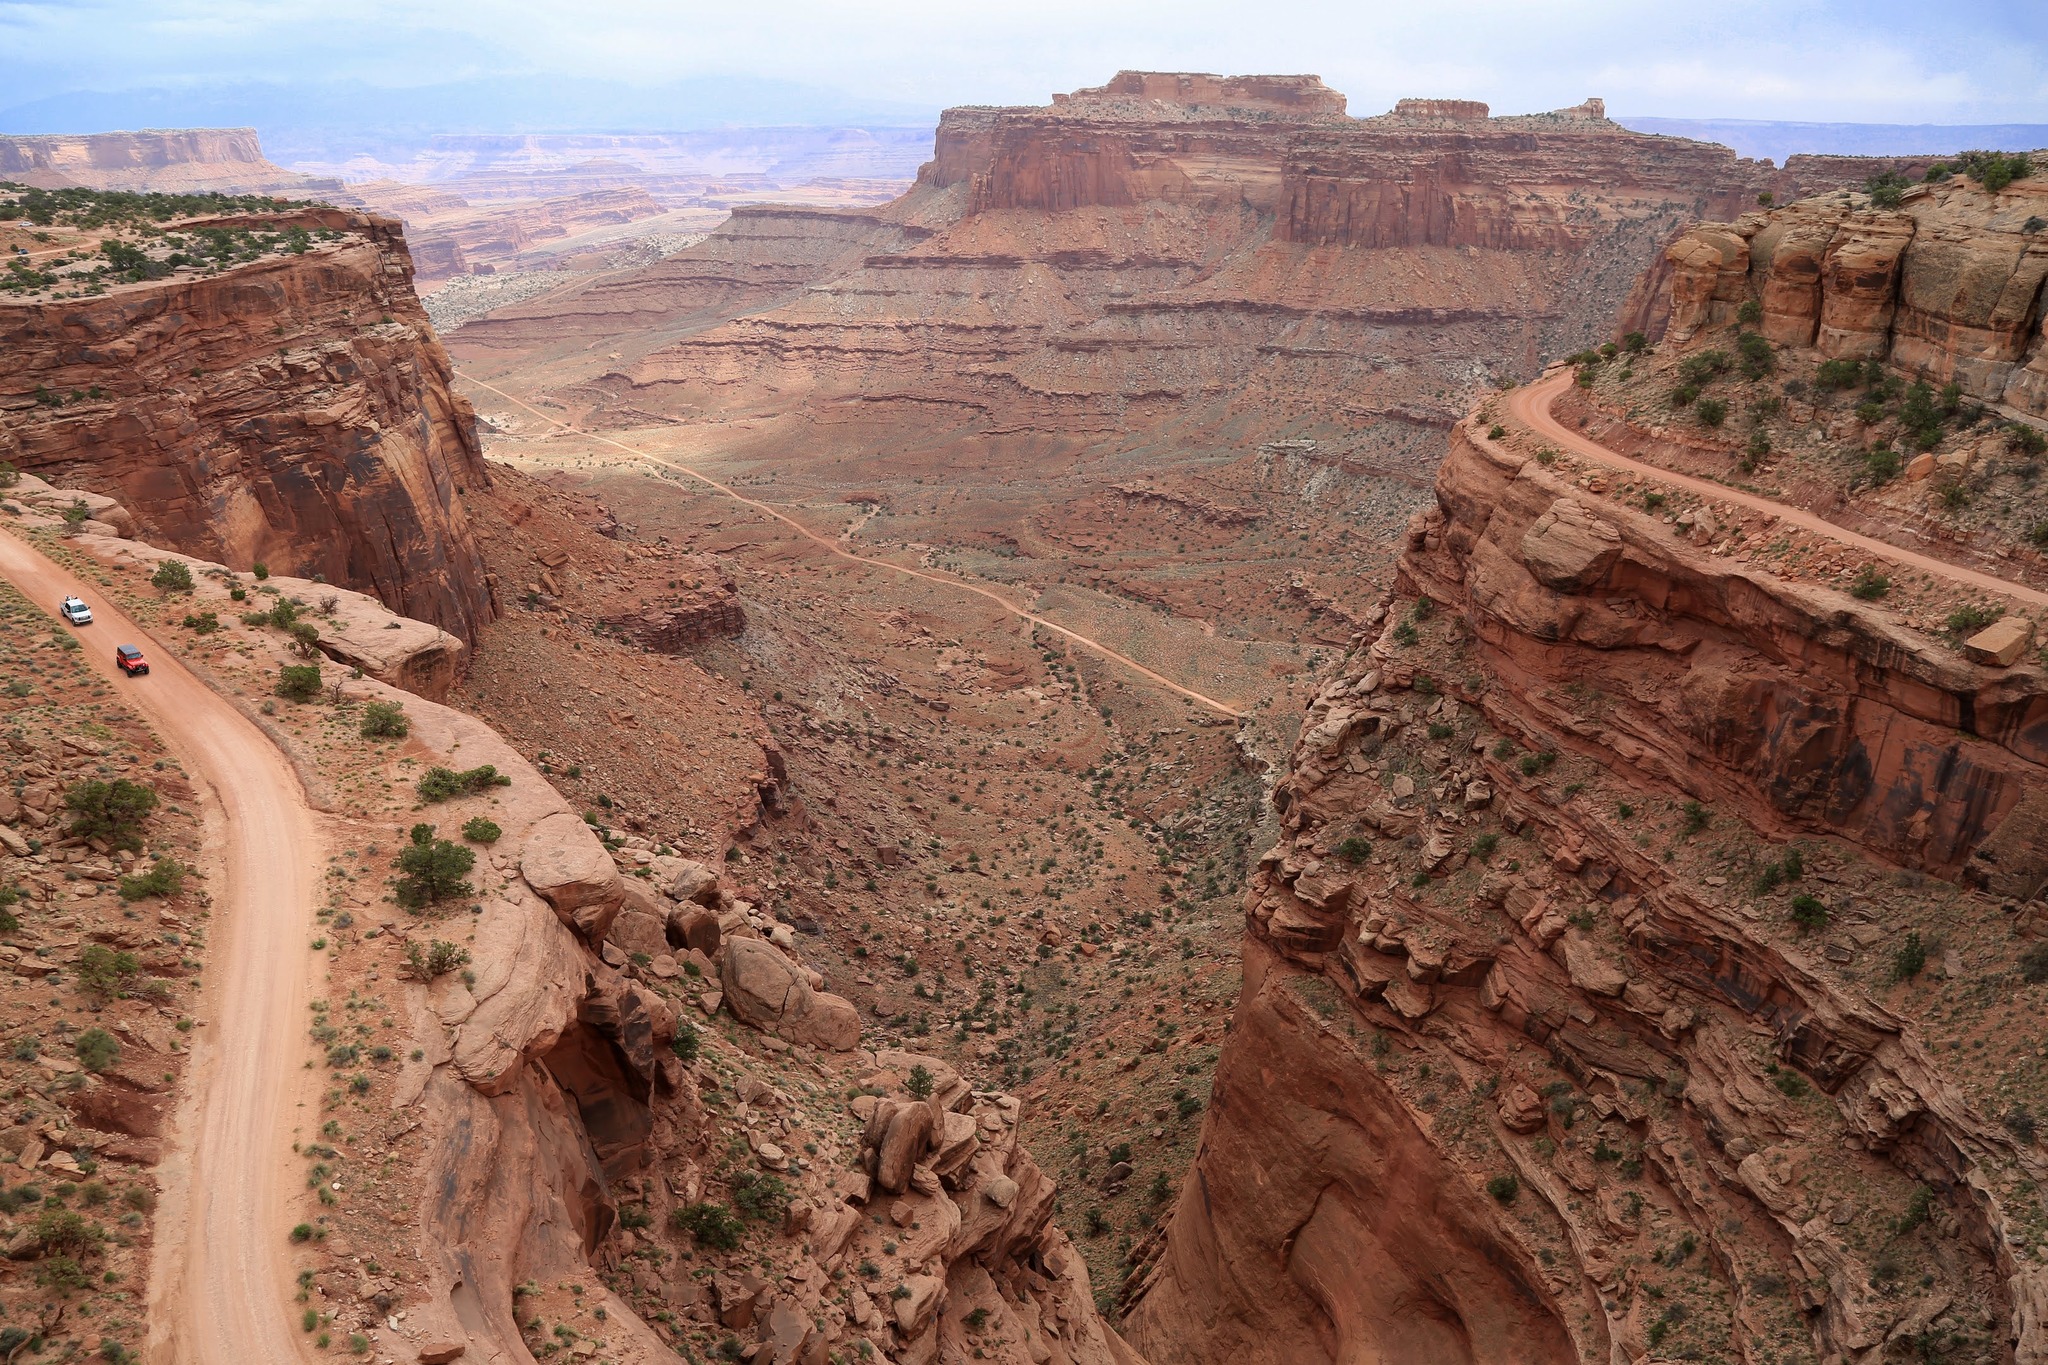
column 766, row 990
column 566, row 865
column 1568, row 549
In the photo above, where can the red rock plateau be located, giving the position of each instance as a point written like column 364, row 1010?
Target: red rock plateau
column 165, row 161
column 1647, row 965
column 292, row 408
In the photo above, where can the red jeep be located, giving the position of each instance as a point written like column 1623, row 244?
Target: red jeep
column 129, row 660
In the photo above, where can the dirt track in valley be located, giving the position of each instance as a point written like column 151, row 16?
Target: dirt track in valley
column 1530, row 405
column 833, row 547
column 221, row 1276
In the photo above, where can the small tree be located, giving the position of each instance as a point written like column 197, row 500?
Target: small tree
column 920, row 1084
column 166, row 877
column 481, row 831
column 1910, row 959
column 433, row 870
column 305, row 638
column 75, row 517
column 103, row 971
column 9, row 475
column 110, row 811
column 172, row 576
column 298, row 682
column 687, row 1043
column 438, row 959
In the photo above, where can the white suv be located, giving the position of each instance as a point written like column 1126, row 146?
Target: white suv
column 75, row 611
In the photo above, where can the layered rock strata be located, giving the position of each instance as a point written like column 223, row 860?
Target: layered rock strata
column 295, row 411
column 1598, row 991
column 1948, row 285
column 154, row 160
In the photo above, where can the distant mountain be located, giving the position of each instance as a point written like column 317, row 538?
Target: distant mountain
column 326, row 121
column 1762, row 138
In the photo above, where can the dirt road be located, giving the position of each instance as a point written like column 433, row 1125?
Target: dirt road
column 221, row 1281
column 832, row 547
column 1530, row 406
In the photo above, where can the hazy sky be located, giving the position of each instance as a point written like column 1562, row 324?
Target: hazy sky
column 1859, row 60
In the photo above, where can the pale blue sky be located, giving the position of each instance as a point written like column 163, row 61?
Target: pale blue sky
column 1871, row 60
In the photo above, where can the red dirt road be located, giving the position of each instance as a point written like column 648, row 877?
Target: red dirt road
column 220, row 1282
column 832, row 547
column 1530, row 406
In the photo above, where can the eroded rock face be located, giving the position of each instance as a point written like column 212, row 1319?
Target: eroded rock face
column 1502, row 1085
column 1947, row 285
column 765, row 989
column 296, row 411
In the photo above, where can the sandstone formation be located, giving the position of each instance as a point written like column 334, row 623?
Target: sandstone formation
column 156, row 160
column 449, row 236
column 1197, row 254
column 1948, row 285
column 295, row 411
column 1575, row 1022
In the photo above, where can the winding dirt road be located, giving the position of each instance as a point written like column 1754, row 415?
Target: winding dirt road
column 221, row 1278
column 833, row 547
column 1530, row 405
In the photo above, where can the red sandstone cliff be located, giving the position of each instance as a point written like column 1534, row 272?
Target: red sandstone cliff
column 1166, row 252
column 1551, row 1049
column 295, row 410
column 167, row 161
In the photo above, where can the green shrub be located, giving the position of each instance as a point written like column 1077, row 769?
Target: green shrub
column 2034, row 963
column 1809, row 912
column 920, row 1082
column 1483, row 846
column 1712, row 412
column 687, row 1044
column 1504, row 1188
column 204, row 623
column 1354, row 849
column 1882, row 464
column 1870, row 585
column 76, row 516
column 110, row 811
column 1750, row 313
column 298, row 682
column 302, row 1232
column 61, row 1232
column 713, row 1225
column 1635, row 343
column 1684, row 396
column 760, row 1197
column 305, row 638
column 432, row 870
column 105, row 972
column 1886, row 190
column 1837, row 374
column 385, row 720
column 1758, row 359
column 260, row 570
column 172, row 576
column 1703, row 368
column 1972, row 617
column 438, row 959
column 165, row 878
column 1495, row 432
column 2025, row 440
column 97, row 1050
column 9, row 475
column 1696, row 817
column 442, row 784
column 481, row 831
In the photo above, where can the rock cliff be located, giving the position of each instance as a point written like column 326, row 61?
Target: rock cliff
column 1643, row 971
column 166, row 161
column 294, row 410
column 1173, row 252
column 1946, row 285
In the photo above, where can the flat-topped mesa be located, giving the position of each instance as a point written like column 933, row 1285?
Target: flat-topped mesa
column 1289, row 94
column 164, row 160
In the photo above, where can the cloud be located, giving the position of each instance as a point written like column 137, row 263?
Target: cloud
column 1890, row 60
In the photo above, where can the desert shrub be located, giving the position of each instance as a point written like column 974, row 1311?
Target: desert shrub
column 760, row 1197
column 110, row 811
column 298, row 682
column 1972, row 617
column 437, row 959
column 1750, row 313
column 687, row 1043
column 385, row 720
column 1495, row 432
column 1791, row 1084
column 1533, row 765
column 1837, row 374
column 2025, row 440
column 442, row 784
column 432, row 870
column 1354, row 849
column 1759, row 446
column 713, row 1225
column 1910, row 958
column 1482, row 847
column 172, row 576
column 1995, row 170
column 1870, row 585
column 1095, row 1222
column 1635, row 343
column 2020, row 1122
column 64, row 1233
column 260, row 570
column 1504, row 1188
column 1881, row 464
column 166, row 877
column 97, row 1050
column 1886, row 190
column 9, row 475
column 1703, row 368
column 481, row 831
column 76, row 516
column 1684, row 395
column 305, row 638
column 204, row 623
column 1758, row 359
column 104, row 972
column 1809, row 912
column 1696, row 817
column 2034, row 963
column 1712, row 412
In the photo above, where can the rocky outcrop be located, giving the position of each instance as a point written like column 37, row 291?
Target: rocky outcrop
column 1587, row 1011
column 155, row 160
column 295, row 411
column 768, row 991
column 1948, row 285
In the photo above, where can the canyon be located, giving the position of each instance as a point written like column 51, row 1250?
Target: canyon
column 1072, row 767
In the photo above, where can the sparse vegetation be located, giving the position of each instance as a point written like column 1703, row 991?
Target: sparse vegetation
column 298, row 682
column 385, row 720
column 432, row 870
column 437, row 959
column 111, row 812
column 443, row 784
column 172, row 576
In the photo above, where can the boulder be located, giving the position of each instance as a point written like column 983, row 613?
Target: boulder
column 767, row 991
column 1568, row 549
column 692, row 926
column 906, row 1137
column 1521, row 1109
column 685, row 879
column 566, row 865
column 2001, row 643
